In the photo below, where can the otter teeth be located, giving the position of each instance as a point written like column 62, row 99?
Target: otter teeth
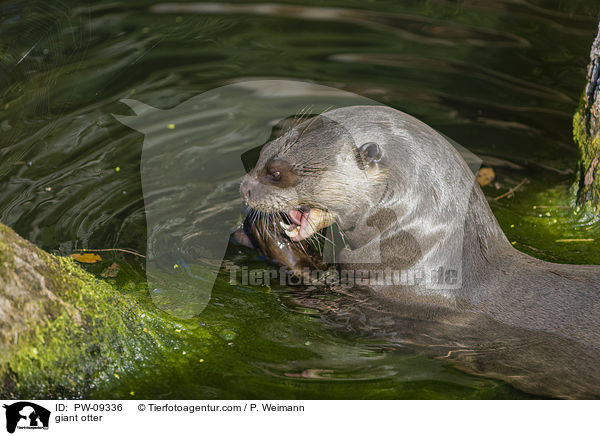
column 285, row 226
column 306, row 224
column 312, row 224
column 292, row 230
column 293, row 234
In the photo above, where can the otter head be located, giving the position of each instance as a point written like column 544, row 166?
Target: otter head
column 312, row 176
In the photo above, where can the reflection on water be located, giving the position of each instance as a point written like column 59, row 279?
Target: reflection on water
column 501, row 77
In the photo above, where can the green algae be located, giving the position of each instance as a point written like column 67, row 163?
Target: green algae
column 545, row 222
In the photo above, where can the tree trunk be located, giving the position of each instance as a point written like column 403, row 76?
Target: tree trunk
column 586, row 132
column 62, row 331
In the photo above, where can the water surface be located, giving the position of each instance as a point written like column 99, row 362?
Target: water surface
column 502, row 78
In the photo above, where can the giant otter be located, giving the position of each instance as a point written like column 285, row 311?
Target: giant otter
column 403, row 198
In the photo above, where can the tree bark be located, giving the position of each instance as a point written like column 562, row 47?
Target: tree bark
column 586, row 132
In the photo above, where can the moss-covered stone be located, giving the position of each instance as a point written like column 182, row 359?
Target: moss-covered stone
column 63, row 332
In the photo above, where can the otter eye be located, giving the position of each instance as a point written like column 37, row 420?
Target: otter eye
column 278, row 172
column 370, row 153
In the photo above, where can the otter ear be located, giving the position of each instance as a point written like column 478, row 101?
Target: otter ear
column 369, row 153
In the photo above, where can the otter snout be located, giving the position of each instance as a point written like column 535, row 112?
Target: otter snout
column 267, row 197
column 254, row 192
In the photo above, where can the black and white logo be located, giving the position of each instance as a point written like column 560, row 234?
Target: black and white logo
column 26, row 415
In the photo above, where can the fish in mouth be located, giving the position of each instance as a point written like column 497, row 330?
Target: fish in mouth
column 303, row 222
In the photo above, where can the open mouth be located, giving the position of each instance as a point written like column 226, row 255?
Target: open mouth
column 305, row 222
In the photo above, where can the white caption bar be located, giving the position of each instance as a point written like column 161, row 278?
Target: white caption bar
column 299, row 417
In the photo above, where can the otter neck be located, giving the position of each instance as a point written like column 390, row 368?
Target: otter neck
column 464, row 249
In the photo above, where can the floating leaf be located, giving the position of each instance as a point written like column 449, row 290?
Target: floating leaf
column 485, row 176
column 85, row 257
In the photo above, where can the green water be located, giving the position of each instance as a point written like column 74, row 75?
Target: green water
column 502, row 78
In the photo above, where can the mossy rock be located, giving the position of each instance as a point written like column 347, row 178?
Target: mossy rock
column 63, row 332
